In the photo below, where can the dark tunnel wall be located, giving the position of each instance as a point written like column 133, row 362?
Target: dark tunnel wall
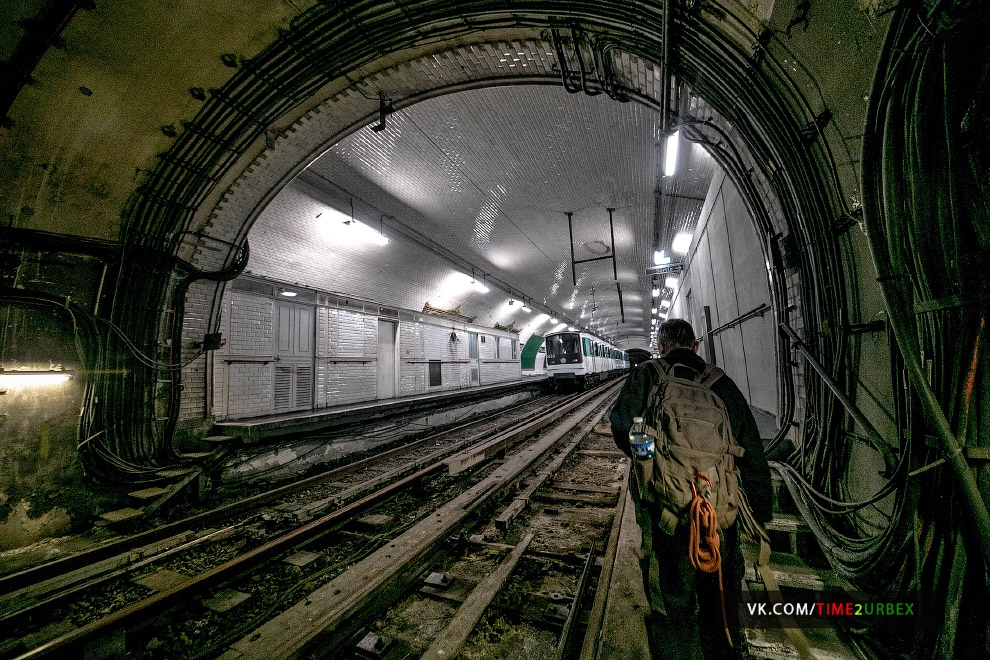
column 238, row 151
column 183, row 166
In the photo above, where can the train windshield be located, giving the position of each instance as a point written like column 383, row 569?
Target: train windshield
column 565, row 345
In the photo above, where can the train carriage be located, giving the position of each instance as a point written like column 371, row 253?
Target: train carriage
column 582, row 360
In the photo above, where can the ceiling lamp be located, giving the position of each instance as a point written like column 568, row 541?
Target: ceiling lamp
column 478, row 286
column 660, row 258
column 664, row 304
column 670, row 282
column 345, row 229
column 670, row 162
column 656, row 292
column 553, row 319
column 32, row 378
column 682, row 243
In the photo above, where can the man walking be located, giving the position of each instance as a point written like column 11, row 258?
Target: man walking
column 684, row 584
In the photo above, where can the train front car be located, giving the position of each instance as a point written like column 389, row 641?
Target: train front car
column 566, row 363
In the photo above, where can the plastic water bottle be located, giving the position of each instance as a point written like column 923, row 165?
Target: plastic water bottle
column 641, row 444
column 642, row 450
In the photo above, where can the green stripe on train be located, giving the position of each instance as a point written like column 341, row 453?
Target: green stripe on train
column 530, row 351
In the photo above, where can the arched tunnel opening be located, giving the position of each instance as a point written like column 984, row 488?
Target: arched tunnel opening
column 368, row 201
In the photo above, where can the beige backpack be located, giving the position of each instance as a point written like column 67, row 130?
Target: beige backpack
column 693, row 444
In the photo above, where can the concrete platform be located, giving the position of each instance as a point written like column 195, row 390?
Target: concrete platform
column 261, row 428
column 624, row 626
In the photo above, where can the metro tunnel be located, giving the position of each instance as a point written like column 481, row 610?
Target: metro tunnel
column 250, row 249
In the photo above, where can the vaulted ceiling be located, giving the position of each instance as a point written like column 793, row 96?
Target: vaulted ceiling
column 491, row 174
column 174, row 127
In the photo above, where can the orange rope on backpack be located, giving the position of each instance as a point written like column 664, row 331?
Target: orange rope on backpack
column 704, row 541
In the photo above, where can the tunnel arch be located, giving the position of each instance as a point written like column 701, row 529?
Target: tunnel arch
column 199, row 201
column 244, row 187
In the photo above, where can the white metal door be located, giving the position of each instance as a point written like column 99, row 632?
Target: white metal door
column 293, row 373
column 386, row 359
column 473, row 362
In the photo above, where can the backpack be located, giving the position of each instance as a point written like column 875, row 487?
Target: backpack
column 693, row 444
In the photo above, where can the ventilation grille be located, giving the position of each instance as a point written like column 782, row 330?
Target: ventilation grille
column 304, row 387
column 283, row 388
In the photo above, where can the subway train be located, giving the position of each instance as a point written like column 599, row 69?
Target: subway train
column 582, row 360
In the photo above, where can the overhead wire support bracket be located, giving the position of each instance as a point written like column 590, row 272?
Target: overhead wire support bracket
column 575, row 262
column 384, row 109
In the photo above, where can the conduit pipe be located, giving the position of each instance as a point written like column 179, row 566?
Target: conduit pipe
column 875, row 438
column 898, row 303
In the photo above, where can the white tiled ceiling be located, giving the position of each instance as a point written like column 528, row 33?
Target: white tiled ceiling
column 489, row 174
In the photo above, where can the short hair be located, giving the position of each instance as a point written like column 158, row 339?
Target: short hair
column 676, row 333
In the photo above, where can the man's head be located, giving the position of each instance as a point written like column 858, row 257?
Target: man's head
column 676, row 333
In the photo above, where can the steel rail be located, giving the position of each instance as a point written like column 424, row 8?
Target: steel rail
column 335, row 609
column 62, row 567
column 163, row 600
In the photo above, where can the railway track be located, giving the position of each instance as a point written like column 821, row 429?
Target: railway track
column 252, row 533
column 333, row 616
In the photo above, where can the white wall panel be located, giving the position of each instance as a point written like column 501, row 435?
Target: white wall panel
column 726, row 271
column 725, row 279
column 251, row 324
column 249, row 390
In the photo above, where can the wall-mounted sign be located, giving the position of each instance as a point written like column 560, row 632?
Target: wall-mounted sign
column 662, row 270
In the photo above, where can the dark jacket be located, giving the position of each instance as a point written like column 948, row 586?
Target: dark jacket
column 753, row 469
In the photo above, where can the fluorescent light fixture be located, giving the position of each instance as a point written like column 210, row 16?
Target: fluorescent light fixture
column 653, row 311
column 670, row 282
column 540, row 318
column 660, row 258
column 664, row 304
column 670, row 162
column 345, row 229
column 656, row 292
column 553, row 319
column 526, row 309
column 682, row 243
column 571, row 328
column 287, row 293
column 457, row 283
column 31, row 378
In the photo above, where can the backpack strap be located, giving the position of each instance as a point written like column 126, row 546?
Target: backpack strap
column 661, row 366
column 710, row 375
column 667, row 370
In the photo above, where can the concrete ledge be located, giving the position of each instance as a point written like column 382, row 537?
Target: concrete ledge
column 261, row 428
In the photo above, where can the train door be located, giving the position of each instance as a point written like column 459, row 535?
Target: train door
column 386, row 359
column 293, row 375
column 474, row 362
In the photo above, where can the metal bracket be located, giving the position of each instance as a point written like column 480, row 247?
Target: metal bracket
column 384, row 109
